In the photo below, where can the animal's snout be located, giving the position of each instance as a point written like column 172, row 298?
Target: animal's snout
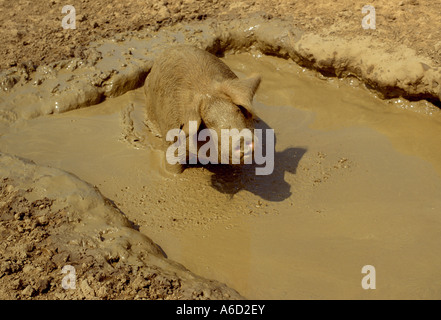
column 243, row 149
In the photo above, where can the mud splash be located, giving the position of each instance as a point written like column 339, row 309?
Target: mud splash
column 357, row 179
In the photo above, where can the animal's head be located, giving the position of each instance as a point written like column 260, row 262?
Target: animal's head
column 228, row 105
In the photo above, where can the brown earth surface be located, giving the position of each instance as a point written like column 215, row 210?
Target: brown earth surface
column 39, row 236
column 31, row 30
column 35, row 240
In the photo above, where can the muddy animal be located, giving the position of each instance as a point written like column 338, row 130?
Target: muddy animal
column 189, row 87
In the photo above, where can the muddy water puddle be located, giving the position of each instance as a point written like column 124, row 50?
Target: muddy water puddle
column 357, row 181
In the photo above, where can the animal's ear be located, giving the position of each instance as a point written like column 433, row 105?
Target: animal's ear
column 241, row 91
column 191, row 116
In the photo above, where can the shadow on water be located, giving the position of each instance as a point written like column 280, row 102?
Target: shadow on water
column 271, row 187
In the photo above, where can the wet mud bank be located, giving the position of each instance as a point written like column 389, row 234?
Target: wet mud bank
column 50, row 219
column 356, row 178
column 110, row 68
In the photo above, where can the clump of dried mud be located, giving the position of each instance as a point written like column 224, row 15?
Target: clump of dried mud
column 40, row 233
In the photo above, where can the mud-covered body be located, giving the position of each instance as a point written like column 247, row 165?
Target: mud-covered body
column 189, row 84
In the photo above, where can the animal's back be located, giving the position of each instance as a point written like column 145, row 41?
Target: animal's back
column 179, row 74
column 192, row 68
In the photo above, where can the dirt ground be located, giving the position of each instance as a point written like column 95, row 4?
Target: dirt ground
column 31, row 30
column 41, row 235
column 35, row 240
column 28, row 231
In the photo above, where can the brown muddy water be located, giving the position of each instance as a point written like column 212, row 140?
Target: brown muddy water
column 357, row 181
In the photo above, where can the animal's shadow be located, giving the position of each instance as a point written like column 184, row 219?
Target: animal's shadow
column 272, row 187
